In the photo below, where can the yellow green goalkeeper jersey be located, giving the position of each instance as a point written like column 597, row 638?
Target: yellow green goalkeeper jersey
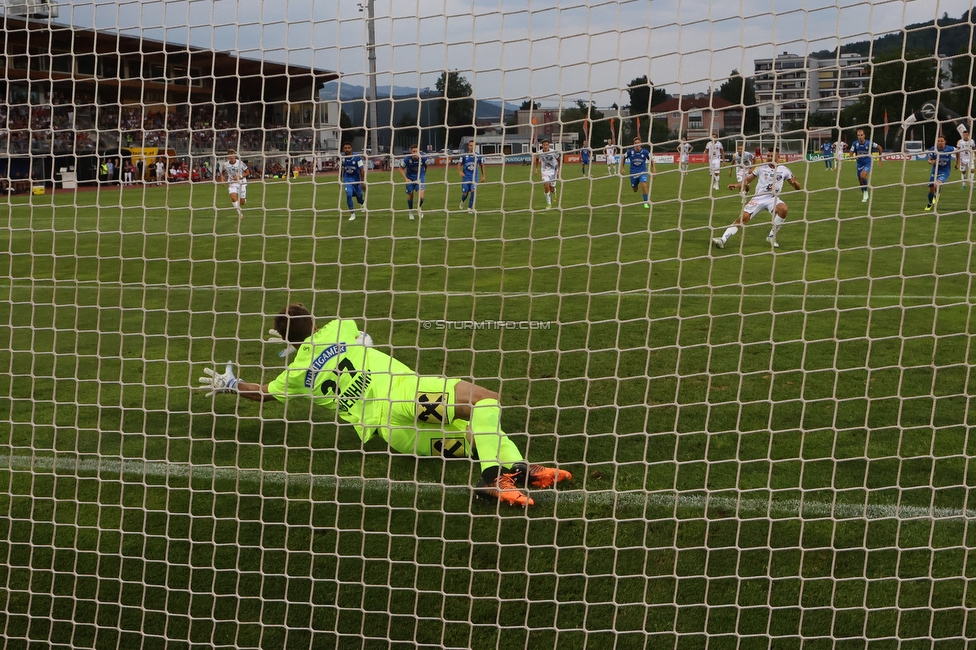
column 335, row 371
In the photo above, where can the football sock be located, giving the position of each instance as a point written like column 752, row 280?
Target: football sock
column 778, row 222
column 931, row 197
column 493, row 446
column 645, row 197
column 349, row 201
column 410, row 204
column 548, row 199
column 420, row 204
column 731, row 230
column 237, row 205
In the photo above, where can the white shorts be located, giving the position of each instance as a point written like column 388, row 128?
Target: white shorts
column 548, row 177
column 611, row 160
column 240, row 189
column 757, row 204
column 740, row 174
column 965, row 165
column 683, row 160
column 715, row 166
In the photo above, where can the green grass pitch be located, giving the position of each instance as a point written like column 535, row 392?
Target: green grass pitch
column 769, row 449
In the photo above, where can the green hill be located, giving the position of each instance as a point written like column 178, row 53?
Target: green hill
column 947, row 36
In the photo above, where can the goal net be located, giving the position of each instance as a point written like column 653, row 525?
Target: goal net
column 768, row 426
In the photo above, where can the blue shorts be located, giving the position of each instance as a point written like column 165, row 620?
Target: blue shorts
column 942, row 177
column 637, row 179
column 468, row 186
column 354, row 190
column 863, row 167
column 413, row 186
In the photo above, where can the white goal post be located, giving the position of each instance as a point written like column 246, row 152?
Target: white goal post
column 794, row 149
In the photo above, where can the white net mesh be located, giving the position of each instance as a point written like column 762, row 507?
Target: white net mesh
column 769, row 446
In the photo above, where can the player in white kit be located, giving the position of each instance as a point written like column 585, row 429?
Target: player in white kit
column 235, row 175
column 743, row 162
column 715, row 153
column 770, row 178
column 965, row 152
column 839, row 148
column 611, row 153
column 548, row 162
column 684, row 154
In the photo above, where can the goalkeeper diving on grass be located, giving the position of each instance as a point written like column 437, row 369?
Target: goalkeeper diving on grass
column 336, row 366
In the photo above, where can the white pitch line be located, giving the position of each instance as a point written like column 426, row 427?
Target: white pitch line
column 95, row 285
column 106, row 468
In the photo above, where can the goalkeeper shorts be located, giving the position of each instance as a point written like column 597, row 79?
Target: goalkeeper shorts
column 422, row 420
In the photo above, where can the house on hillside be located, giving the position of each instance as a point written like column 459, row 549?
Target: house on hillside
column 698, row 116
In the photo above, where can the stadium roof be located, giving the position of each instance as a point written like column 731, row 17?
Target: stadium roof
column 224, row 73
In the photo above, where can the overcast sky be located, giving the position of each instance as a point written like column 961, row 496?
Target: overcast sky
column 550, row 50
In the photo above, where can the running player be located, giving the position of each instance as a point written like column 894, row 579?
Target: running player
column 337, row 367
column 235, row 175
column 471, row 166
column 548, row 163
column 940, row 157
column 637, row 158
column 353, row 178
column 770, row 178
column 413, row 168
column 863, row 150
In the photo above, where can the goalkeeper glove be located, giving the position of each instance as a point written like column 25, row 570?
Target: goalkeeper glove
column 364, row 340
column 277, row 338
column 225, row 383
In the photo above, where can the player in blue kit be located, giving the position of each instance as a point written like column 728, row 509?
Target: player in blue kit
column 585, row 160
column 863, row 149
column 472, row 170
column 352, row 175
column 940, row 157
column 828, row 154
column 413, row 168
column 637, row 158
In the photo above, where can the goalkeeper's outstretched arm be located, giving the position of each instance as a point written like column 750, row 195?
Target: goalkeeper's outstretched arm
column 254, row 392
column 226, row 382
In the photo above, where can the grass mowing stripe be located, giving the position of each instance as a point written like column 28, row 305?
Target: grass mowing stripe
column 811, row 509
column 93, row 285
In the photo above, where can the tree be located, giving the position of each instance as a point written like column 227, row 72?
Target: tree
column 583, row 113
column 899, row 86
column 407, row 132
column 347, row 130
column 639, row 90
column 455, row 108
column 963, row 75
column 741, row 91
column 529, row 104
column 643, row 96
